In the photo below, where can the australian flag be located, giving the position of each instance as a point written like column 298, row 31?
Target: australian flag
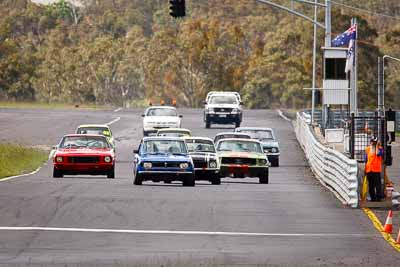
column 344, row 38
column 348, row 38
column 350, row 60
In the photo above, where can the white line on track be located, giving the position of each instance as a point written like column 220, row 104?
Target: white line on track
column 50, row 156
column 113, row 121
column 283, row 115
column 169, row 232
column 22, row 175
column 118, row 109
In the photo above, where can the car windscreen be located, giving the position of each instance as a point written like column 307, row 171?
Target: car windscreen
column 174, row 134
column 233, row 135
column 84, row 142
column 161, row 112
column 223, row 99
column 262, row 135
column 94, row 130
column 200, row 146
column 164, row 147
column 239, row 146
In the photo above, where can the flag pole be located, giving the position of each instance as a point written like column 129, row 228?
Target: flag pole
column 314, row 72
column 356, row 68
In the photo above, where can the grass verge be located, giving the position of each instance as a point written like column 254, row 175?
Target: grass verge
column 15, row 159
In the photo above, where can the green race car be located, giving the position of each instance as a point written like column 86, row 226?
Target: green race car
column 240, row 158
column 99, row 129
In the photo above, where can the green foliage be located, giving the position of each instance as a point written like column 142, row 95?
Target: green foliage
column 15, row 159
column 127, row 51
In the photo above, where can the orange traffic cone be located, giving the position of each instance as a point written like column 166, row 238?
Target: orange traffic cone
column 388, row 228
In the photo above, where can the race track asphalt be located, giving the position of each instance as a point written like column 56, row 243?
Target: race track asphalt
column 293, row 220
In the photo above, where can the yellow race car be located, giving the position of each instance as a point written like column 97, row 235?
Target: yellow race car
column 98, row 129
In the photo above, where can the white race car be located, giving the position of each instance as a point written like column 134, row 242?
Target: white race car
column 159, row 117
column 223, row 92
column 223, row 108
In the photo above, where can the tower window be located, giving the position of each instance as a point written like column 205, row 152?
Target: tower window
column 334, row 68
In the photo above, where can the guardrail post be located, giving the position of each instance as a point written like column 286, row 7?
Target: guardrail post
column 352, row 135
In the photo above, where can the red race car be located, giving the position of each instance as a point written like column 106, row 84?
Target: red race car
column 84, row 154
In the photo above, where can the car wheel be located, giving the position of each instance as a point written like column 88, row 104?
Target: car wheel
column 237, row 124
column 264, row 177
column 208, row 124
column 216, row 180
column 111, row 173
column 275, row 163
column 189, row 181
column 57, row 173
column 137, row 180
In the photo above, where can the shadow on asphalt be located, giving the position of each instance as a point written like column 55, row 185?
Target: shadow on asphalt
column 86, row 178
column 173, row 185
column 291, row 166
column 220, row 127
column 239, row 182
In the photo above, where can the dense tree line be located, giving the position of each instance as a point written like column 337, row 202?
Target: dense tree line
column 120, row 51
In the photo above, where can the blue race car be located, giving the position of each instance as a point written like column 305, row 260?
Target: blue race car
column 163, row 159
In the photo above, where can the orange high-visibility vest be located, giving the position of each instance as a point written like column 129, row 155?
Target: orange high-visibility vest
column 374, row 162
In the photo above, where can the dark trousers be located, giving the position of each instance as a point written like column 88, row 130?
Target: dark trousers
column 374, row 185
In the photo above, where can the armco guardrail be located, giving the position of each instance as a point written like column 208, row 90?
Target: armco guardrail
column 331, row 167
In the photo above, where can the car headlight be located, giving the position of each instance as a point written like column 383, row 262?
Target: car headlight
column 263, row 162
column 59, row 159
column 184, row 165
column 235, row 110
column 147, row 165
column 274, row 150
column 107, row 159
column 213, row 164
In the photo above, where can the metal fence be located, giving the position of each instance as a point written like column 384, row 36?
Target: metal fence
column 362, row 129
column 337, row 117
column 331, row 167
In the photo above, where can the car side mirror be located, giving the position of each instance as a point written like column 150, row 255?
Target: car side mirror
column 143, row 115
column 54, row 147
column 180, row 116
column 241, row 103
column 136, row 151
column 204, row 102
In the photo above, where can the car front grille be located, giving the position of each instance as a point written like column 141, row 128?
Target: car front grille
column 200, row 163
column 78, row 159
column 239, row 161
column 228, row 110
column 166, row 164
